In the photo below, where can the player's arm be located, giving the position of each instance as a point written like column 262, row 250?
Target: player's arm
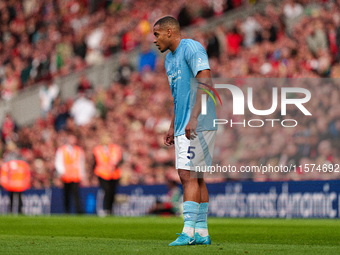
column 197, row 60
column 169, row 136
column 205, row 77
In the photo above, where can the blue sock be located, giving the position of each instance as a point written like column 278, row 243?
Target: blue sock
column 190, row 211
column 201, row 223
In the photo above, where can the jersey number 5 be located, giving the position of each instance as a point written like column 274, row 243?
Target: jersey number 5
column 191, row 152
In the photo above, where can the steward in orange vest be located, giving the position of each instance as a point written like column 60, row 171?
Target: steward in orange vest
column 70, row 165
column 15, row 178
column 72, row 160
column 108, row 157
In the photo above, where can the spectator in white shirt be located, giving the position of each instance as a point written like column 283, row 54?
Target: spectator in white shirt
column 83, row 110
column 47, row 94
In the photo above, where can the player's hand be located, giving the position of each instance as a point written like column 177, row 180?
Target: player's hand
column 169, row 137
column 190, row 129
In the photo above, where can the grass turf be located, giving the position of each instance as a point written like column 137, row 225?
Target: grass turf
column 151, row 235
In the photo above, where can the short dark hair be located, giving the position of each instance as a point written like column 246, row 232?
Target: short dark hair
column 167, row 21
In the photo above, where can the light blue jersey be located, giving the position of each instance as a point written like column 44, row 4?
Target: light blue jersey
column 182, row 65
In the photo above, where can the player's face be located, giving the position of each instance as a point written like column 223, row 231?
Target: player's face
column 161, row 38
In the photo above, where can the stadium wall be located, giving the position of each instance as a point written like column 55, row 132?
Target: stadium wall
column 304, row 199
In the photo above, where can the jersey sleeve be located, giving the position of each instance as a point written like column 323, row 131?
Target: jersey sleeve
column 196, row 57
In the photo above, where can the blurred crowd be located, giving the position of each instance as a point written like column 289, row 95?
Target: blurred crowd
column 288, row 40
column 42, row 39
column 310, row 148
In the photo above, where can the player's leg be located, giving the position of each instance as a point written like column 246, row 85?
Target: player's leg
column 191, row 200
column 204, row 152
column 191, row 188
column 191, row 192
column 201, row 227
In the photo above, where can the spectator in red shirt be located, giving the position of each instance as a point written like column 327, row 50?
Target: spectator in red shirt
column 234, row 40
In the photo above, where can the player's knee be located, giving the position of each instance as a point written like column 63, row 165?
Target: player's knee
column 200, row 181
column 184, row 175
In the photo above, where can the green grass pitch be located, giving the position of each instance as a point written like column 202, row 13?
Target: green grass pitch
column 151, row 235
